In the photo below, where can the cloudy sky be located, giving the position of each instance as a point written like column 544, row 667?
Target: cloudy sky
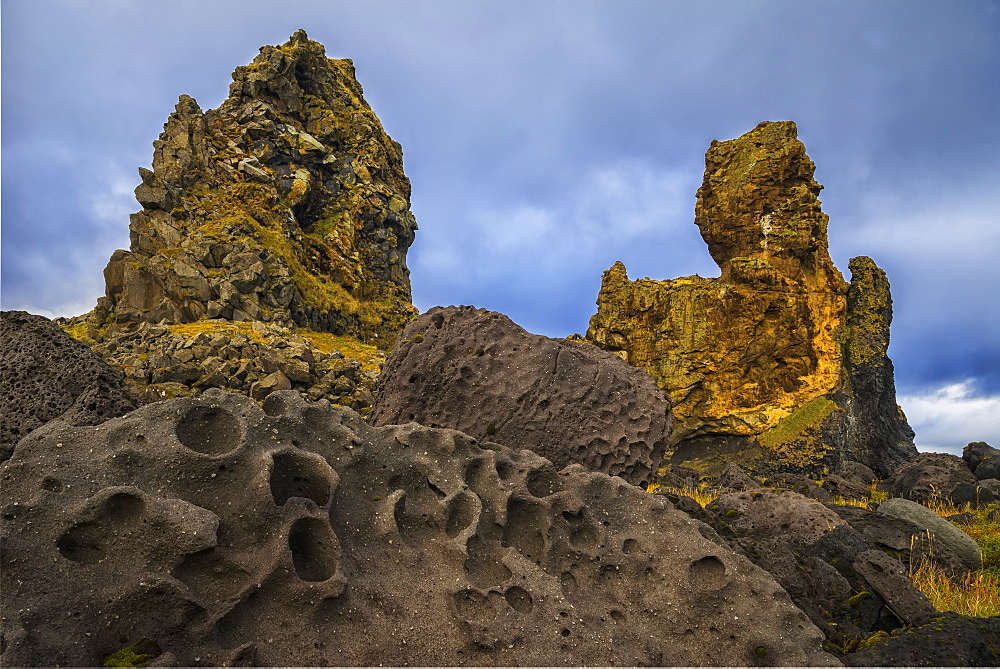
column 546, row 140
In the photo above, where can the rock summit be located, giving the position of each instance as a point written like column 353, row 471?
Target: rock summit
column 778, row 360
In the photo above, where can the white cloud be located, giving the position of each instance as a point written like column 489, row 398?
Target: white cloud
column 611, row 206
column 948, row 418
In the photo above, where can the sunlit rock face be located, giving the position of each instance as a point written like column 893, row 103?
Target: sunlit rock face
column 779, row 361
column 287, row 204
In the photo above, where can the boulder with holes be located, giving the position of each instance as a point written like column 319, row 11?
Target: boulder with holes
column 297, row 534
column 475, row 370
column 46, row 374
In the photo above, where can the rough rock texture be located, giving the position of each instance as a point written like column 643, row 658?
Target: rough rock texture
column 167, row 361
column 901, row 539
column 930, row 476
column 286, row 204
column 45, row 374
column 778, row 360
column 295, row 534
column 478, row 372
column 946, row 642
column 983, row 460
column 940, row 529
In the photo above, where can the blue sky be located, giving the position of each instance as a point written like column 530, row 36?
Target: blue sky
column 546, row 140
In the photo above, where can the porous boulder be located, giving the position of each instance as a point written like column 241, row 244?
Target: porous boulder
column 286, row 204
column 778, row 363
column 930, row 476
column 46, row 374
column 294, row 534
column 476, row 371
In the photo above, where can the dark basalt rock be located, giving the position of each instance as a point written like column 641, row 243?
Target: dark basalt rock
column 930, row 475
column 46, row 374
column 478, row 372
column 296, row 534
column 946, row 642
column 978, row 451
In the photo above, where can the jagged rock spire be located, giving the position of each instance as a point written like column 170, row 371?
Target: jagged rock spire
column 287, row 204
column 777, row 362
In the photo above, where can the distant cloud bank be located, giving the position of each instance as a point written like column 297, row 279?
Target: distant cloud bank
column 950, row 417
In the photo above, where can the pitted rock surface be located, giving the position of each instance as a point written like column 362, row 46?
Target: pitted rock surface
column 478, row 372
column 776, row 514
column 778, row 362
column 286, row 204
column 295, row 534
column 46, row 374
column 929, row 476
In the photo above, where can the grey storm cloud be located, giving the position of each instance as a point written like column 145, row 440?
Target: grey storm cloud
column 547, row 140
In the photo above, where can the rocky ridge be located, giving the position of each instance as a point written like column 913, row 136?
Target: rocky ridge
column 779, row 361
column 287, row 205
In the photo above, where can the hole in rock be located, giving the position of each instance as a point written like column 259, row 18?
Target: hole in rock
column 568, row 583
column 565, row 632
column 630, row 546
column 462, row 512
column 297, row 474
column 81, row 543
column 544, row 482
column 209, row 430
column 519, row 599
column 526, row 524
column 617, row 615
column 441, row 494
column 314, row 549
column 53, row 485
column 708, row 573
column 482, row 563
column 475, row 607
column 275, row 405
column 123, row 507
column 505, row 469
column 582, row 533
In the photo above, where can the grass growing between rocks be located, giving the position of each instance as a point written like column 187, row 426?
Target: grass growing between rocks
column 369, row 356
column 978, row 594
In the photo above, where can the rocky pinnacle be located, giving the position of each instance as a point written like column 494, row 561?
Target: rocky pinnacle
column 779, row 361
column 287, row 204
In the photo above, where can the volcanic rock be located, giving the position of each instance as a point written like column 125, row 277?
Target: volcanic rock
column 983, row 460
column 46, row 374
column 941, row 530
column 929, row 476
column 219, row 532
column 946, row 642
column 287, row 204
column 476, row 371
column 778, row 361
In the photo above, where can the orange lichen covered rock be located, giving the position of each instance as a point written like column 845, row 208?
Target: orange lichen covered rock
column 779, row 360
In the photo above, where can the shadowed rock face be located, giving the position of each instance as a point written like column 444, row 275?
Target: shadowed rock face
column 286, row 204
column 296, row 534
column 777, row 361
column 476, row 371
column 46, row 374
